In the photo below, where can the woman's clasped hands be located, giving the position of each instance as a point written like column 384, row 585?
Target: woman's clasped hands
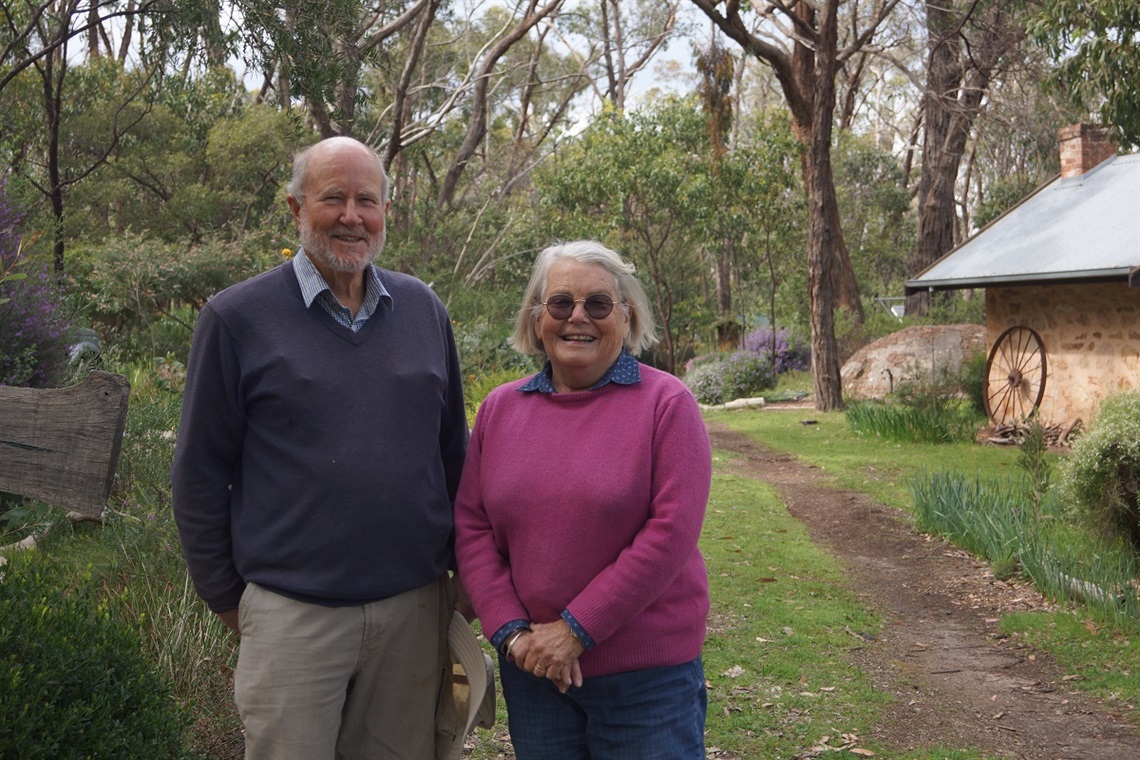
column 551, row 651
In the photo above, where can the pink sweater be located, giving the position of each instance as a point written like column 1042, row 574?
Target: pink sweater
column 591, row 502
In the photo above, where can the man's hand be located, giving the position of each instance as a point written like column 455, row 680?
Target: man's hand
column 230, row 618
column 462, row 602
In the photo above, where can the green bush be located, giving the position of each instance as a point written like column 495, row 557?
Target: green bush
column 704, row 381
column 74, row 682
column 746, row 374
column 741, row 374
column 476, row 387
column 1101, row 479
column 144, row 294
column 971, row 380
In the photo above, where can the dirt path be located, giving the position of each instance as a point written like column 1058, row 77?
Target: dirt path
column 958, row 681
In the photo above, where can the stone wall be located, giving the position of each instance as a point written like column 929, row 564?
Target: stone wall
column 1091, row 335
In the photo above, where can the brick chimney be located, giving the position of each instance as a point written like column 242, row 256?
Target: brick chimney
column 1083, row 147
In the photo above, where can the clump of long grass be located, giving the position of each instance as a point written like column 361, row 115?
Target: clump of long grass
column 146, row 572
column 927, row 408
column 1010, row 524
column 950, row 422
column 988, row 518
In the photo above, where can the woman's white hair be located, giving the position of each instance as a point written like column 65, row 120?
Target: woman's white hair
column 642, row 329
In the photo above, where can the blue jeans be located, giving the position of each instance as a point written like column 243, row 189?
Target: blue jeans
column 655, row 714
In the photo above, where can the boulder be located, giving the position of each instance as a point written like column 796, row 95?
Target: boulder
column 875, row 369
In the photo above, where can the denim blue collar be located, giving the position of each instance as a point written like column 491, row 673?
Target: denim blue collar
column 625, row 371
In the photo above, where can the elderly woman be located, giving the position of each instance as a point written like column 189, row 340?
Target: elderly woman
column 577, row 521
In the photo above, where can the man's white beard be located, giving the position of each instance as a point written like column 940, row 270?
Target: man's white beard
column 319, row 246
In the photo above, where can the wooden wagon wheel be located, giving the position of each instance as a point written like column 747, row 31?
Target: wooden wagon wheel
column 1015, row 376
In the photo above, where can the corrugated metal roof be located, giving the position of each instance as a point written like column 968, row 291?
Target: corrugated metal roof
column 1072, row 229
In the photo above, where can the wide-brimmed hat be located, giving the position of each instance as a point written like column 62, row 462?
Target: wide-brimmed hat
column 468, row 695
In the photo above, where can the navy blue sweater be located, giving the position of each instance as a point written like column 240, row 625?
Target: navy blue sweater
column 312, row 460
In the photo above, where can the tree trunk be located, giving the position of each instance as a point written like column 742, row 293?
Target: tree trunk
column 824, row 242
column 54, row 188
column 935, row 234
column 399, row 102
column 807, row 78
column 957, row 81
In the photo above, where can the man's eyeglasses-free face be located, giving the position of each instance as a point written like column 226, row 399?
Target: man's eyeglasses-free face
column 561, row 307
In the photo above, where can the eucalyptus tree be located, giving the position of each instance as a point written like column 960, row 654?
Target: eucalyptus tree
column 40, row 57
column 1097, row 47
column 875, row 205
column 33, row 32
column 628, row 180
column 514, row 31
column 716, row 68
column 622, row 38
column 1014, row 149
column 802, row 42
column 969, row 42
column 317, row 52
column 646, row 182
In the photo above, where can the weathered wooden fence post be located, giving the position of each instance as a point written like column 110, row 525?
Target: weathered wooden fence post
column 61, row 445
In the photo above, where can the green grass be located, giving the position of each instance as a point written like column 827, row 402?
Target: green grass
column 870, row 464
column 1095, row 658
column 1094, row 651
column 781, row 631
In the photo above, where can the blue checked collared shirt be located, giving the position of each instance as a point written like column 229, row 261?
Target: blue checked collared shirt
column 315, row 288
column 625, row 371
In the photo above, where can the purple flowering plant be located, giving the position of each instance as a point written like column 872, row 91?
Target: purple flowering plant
column 791, row 353
column 33, row 323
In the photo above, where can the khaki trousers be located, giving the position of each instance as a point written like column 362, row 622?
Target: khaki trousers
column 341, row 683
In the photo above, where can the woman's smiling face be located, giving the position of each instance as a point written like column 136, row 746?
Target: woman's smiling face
column 580, row 348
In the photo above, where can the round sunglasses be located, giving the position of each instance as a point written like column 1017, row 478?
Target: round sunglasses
column 561, row 307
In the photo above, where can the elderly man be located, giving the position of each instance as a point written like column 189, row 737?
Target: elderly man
column 322, row 437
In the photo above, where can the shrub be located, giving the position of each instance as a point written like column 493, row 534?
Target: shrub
column 971, row 380
column 33, row 322
column 74, row 682
column 737, row 375
column 144, row 294
column 746, row 374
column 790, row 351
column 704, row 381
column 1101, row 478
column 485, row 349
column 476, row 387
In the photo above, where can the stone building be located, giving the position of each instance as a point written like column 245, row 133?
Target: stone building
column 1061, row 273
